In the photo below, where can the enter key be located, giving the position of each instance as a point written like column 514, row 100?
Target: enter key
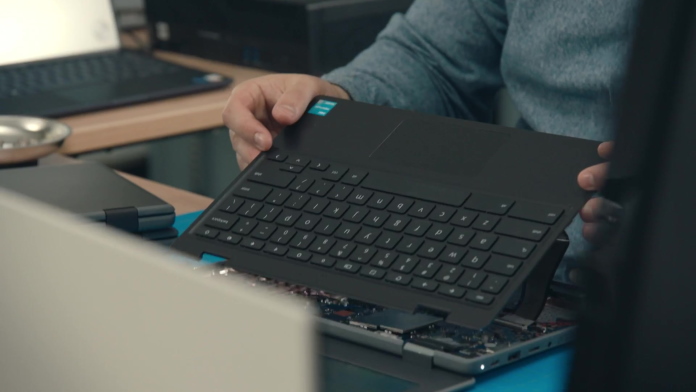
column 522, row 229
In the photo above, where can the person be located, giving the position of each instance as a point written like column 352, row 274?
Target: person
column 562, row 62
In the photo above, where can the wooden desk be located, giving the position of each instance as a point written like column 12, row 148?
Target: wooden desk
column 157, row 119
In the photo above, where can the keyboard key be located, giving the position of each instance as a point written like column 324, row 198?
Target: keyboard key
column 252, row 243
column 244, row 226
column 379, row 201
column 522, row 229
column 363, row 254
column 275, row 250
column 297, row 201
column 367, row 236
column 278, row 157
column 439, row 232
column 480, row 298
column 288, row 218
column 472, row 279
column 452, row 291
column 347, row 266
column 253, row 191
column 388, row 240
column 334, row 173
column 461, row 237
column 263, row 231
column 513, row 247
column 421, row 209
column 207, row 233
column 354, row 177
column 316, row 206
column 376, row 218
column 494, row 284
column 342, row 249
column 475, row 259
column 299, row 161
column 453, row 255
column 356, row 214
column 340, row 192
column 271, row 177
column 431, row 250
column 374, row 273
column 320, row 188
column 409, row 245
column 485, row 222
column 336, row 210
column 384, row 259
column 464, row 218
column 536, row 212
column 327, row 226
column 449, row 274
column 322, row 245
column 483, row 241
column 301, row 184
column 503, row 265
column 400, row 205
column 269, row 213
column 347, row 231
column 427, row 269
column 424, row 284
column 302, row 240
column 308, row 222
column 359, row 197
column 221, row 221
column 397, row 223
column 442, row 214
column 318, row 165
column 292, row 168
column 324, row 261
column 398, row 278
column 231, row 205
column 230, row 238
column 406, row 264
column 250, row 209
column 278, row 197
column 300, row 255
column 418, row 228
column 283, row 236
column 486, row 203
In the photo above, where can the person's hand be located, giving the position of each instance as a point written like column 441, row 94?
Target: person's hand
column 592, row 179
column 260, row 108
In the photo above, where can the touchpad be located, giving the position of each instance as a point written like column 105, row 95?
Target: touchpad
column 439, row 147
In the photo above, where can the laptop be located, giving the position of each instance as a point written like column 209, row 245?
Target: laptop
column 437, row 232
column 61, row 57
column 92, row 309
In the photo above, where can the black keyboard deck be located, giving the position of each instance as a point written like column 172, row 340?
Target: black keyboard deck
column 75, row 71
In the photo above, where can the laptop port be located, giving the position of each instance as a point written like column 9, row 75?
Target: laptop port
column 514, row 356
column 531, row 350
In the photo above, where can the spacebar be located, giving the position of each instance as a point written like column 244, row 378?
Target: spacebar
column 415, row 189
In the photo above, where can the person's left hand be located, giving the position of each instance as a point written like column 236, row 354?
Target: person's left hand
column 592, row 179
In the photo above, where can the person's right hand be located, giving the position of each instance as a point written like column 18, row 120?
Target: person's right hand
column 260, row 108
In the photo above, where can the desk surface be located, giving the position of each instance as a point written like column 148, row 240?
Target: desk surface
column 157, row 119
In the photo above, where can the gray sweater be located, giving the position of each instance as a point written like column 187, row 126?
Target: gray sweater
column 562, row 62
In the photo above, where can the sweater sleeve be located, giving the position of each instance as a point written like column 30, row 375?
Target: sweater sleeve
column 441, row 57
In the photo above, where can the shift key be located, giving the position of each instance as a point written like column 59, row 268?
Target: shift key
column 272, row 177
column 253, row 191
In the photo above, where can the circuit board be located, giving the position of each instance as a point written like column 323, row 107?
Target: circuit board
column 424, row 330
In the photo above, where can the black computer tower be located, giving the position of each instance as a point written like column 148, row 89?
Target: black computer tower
column 304, row 36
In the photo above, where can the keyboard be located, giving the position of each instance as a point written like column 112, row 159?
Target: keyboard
column 364, row 227
column 22, row 80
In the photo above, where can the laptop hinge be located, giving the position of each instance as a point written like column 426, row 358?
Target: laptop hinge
column 125, row 218
column 421, row 356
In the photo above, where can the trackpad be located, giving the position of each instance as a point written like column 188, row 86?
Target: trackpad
column 439, row 147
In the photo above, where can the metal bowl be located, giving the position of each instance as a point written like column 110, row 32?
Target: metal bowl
column 29, row 138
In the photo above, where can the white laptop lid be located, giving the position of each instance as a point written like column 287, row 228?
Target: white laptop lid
column 34, row 30
column 83, row 309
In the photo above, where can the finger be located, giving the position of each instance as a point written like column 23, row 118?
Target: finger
column 294, row 100
column 590, row 212
column 593, row 178
column 247, row 151
column 605, row 149
column 239, row 117
column 590, row 230
column 241, row 162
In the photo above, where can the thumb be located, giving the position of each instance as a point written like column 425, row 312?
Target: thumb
column 290, row 106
